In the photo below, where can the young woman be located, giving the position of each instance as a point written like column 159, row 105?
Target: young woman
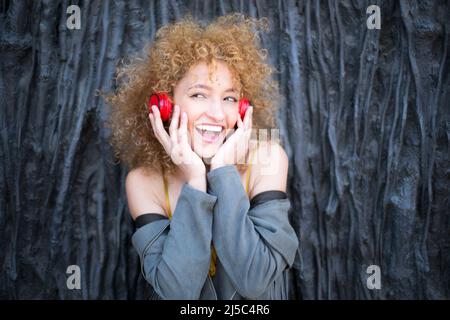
column 209, row 203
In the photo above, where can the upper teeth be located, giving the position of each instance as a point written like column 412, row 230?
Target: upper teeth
column 209, row 127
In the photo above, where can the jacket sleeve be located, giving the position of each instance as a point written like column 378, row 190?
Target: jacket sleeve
column 255, row 246
column 175, row 254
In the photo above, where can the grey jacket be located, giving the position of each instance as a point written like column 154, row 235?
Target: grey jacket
column 255, row 247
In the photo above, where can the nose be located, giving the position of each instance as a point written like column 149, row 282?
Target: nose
column 215, row 111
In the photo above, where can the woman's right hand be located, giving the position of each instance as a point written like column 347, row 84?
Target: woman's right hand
column 177, row 146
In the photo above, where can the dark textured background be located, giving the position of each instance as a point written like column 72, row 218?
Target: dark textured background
column 366, row 126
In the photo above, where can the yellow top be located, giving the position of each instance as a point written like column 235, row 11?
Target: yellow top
column 212, row 265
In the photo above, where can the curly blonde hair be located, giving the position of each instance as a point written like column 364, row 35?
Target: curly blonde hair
column 233, row 39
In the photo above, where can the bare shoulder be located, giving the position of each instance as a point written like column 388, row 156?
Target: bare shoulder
column 269, row 168
column 143, row 188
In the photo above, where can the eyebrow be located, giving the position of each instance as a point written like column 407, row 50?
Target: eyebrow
column 204, row 86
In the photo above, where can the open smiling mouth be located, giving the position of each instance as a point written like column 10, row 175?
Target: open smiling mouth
column 209, row 133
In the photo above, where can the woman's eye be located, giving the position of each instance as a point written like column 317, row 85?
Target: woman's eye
column 231, row 99
column 197, row 95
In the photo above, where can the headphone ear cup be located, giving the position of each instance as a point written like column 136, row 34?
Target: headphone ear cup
column 243, row 106
column 162, row 101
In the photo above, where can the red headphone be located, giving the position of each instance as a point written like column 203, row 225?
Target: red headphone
column 163, row 102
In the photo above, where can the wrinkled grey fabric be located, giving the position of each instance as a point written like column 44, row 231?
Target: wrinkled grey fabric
column 255, row 247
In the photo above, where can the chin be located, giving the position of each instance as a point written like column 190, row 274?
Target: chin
column 205, row 152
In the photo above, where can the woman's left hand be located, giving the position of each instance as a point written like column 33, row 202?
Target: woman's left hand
column 235, row 147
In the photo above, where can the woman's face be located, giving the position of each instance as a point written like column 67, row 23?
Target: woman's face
column 211, row 106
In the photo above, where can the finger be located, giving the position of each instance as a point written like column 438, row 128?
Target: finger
column 183, row 130
column 152, row 121
column 242, row 125
column 174, row 138
column 175, row 120
column 173, row 129
column 248, row 136
column 183, row 139
column 247, row 126
column 248, row 117
column 229, row 132
column 167, row 147
column 160, row 131
column 239, row 122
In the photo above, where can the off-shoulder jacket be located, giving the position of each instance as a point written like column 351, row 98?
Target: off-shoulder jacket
column 255, row 244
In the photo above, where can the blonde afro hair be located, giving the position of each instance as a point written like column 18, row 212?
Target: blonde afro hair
column 233, row 39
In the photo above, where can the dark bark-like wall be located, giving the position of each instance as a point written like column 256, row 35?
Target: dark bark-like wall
column 365, row 124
